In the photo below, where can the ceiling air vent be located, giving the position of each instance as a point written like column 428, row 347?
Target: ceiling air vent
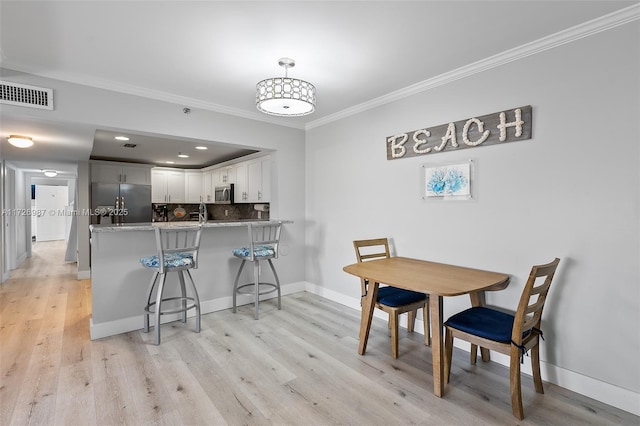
column 130, row 145
column 27, row 96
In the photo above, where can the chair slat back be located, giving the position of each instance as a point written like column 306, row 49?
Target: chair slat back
column 533, row 298
column 265, row 234
column 178, row 240
column 375, row 248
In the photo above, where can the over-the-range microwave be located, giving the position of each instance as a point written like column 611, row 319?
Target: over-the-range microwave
column 223, row 194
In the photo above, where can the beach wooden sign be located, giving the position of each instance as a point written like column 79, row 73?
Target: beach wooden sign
column 491, row 129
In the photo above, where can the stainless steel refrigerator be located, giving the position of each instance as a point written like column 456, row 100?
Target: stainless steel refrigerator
column 120, row 203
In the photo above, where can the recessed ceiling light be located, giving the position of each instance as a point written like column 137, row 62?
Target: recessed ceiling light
column 20, row 141
column 201, row 147
column 50, row 173
column 170, row 162
column 181, row 155
column 121, row 138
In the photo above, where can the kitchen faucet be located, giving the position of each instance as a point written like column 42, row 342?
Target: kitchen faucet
column 202, row 213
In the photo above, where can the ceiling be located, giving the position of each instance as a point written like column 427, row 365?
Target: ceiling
column 210, row 55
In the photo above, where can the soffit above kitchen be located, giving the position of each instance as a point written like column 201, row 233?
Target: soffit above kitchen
column 161, row 150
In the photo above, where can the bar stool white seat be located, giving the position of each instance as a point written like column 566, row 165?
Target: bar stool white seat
column 264, row 239
column 177, row 252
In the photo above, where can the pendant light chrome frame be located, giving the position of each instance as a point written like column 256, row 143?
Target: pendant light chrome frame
column 285, row 96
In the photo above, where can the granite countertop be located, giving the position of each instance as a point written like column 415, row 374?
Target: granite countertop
column 149, row 226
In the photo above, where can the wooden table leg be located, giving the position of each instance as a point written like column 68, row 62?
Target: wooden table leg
column 477, row 299
column 435, row 311
column 368, row 305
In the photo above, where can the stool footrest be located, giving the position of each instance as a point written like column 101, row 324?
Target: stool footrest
column 172, row 311
column 243, row 290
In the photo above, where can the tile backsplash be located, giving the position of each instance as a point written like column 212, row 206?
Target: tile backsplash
column 215, row 211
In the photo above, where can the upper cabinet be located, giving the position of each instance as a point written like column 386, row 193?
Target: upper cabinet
column 253, row 181
column 193, row 182
column 259, row 180
column 167, row 186
column 207, row 186
column 240, row 193
column 120, row 173
column 216, row 177
column 224, row 175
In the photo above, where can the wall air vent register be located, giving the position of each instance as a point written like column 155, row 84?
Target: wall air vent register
column 26, row 96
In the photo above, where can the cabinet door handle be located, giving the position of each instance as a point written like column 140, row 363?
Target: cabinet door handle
column 125, row 178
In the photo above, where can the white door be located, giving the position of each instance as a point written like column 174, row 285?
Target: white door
column 51, row 200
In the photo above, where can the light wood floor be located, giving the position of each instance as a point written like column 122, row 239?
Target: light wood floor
column 298, row 366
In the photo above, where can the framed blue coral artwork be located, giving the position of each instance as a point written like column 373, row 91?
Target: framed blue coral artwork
column 447, row 181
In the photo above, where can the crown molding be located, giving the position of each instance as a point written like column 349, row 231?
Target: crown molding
column 586, row 29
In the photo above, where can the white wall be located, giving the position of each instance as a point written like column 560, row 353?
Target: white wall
column 15, row 223
column 571, row 191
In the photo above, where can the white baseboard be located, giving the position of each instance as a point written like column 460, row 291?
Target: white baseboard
column 84, row 275
column 607, row 393
column 21, row 258
column 124, row 325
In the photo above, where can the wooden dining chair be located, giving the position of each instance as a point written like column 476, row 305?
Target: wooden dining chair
column 511, row 335
column 392, row 300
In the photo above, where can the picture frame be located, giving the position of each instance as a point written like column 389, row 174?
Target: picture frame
column 450, row 181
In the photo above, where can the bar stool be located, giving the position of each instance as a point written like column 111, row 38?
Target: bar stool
column 264, row 239
column 177, row 252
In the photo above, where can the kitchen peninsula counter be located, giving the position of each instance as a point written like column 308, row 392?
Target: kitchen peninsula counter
column 119, row 282
column 150, row 226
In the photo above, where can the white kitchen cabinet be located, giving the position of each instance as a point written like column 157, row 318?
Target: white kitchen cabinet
column 266, row 180
column 119, row 173
column 167, row 186
column 207, row 186
column 241, row 192
column 253, row 181
column 259, row 180
column 217, row 177
column 224, row 175
column 193, row 186
column 230, row 174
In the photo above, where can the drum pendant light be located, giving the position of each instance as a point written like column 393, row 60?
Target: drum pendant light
column 285, row 96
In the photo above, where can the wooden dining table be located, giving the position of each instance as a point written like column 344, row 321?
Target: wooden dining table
column 435, row 279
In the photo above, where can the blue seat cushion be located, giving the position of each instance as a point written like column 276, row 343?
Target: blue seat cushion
column 393, row 296
column 258, row 251
column 171, row 260
column 484, row 322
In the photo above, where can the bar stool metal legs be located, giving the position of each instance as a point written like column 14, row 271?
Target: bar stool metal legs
column 264, row 240
column 254, row 287
column 186, row 303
